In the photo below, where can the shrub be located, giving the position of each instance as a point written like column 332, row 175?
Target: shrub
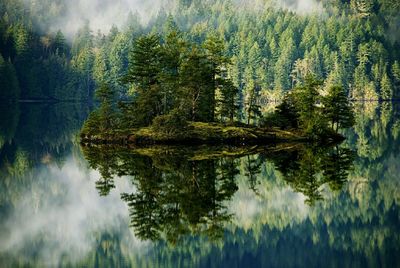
column 171, row 123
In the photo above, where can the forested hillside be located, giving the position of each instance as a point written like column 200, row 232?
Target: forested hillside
column 354, row 44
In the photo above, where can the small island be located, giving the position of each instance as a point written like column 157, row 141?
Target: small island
column 181, row 93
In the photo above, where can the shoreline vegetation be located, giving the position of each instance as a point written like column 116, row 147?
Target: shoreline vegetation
column 197, row 133
column 183, row 94
column 196, row 152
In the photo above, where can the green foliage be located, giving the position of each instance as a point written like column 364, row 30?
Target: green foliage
column 195, row 82
column 306, row 170
column 175, row 76
column 299, row 110
column 91, row 125
column 251, row 91
column 306, row 98
column 228, row 101
column 337, row 109
column 271, row 50
column 175, row 196
column 172, row 123
column 306, row 109
column 145, row 62
column 105, row 117
column 285, row 115
column 183, row 191
column 386, row 88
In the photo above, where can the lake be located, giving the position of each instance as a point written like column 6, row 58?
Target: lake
column 286, row 205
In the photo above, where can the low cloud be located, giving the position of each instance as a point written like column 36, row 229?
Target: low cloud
column 61, row 216
column 276, row 205
column 302, row 7
column 71, row 15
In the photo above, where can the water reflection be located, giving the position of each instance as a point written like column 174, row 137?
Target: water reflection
column 184, row 190
column 307, row 170
column 60, row 215
column 286, row 205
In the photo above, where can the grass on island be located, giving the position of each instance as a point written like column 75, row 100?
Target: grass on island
column 195, row 132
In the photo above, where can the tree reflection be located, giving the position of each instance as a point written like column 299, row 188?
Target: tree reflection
column 175, row 195
column 308, row 168
column 182, row 191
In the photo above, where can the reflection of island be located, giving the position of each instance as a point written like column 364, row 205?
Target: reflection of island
column 306, row 170
column 183, row 190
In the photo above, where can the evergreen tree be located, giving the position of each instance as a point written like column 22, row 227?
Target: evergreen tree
column 105, row 117
column 306, row 98
column 144, row 73
column 214, row 51
column 396, row 78
column 386, row 88
column 171, row 59
column 251, row 94
column 194, row 77
column 118, row 62
column 60, row 45
column 144, row 62
column 286, row 112
column 100, row 67
column 228, row 101
column 337, row 109
column 83, row 62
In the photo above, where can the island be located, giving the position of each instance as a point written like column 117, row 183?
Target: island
column 182, row 93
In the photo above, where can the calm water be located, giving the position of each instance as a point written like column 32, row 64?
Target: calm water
column 279, row 206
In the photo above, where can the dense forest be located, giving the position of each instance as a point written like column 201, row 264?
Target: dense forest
column 353, row 44
column 341, row 203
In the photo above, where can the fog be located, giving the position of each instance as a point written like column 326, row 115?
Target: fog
column 279, row 202
column 101, row 14
column 71, row 15
column 301, row 7
column 62, row 215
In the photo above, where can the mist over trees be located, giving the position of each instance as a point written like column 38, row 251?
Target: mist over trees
column 352, row 44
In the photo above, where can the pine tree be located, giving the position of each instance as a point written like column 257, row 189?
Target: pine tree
column 21, row 41
column 106, row 112
column 144, row 73
column 83, row 62
column 386, row 88
column 144, row 62
column 218, row 62
column 228, row 101
column 337, row 109
column 195, row 77
column 171, row 59
column 118, row 62
column 306, row 98
column 100, row 67
column 251, row 94
column 60, row 45
column 396, row 78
